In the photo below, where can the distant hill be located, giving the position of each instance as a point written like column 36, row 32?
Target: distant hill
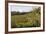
column 18, row 13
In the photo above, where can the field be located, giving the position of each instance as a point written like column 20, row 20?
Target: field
column 30, row 19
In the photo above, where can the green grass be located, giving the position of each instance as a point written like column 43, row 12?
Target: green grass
column 26, row 20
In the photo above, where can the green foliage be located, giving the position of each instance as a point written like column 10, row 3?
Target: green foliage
column 13, row 21
column 31, row 19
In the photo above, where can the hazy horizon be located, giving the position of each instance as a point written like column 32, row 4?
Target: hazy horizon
column 21, row 8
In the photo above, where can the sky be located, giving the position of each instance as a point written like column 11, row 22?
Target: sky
column 20, row 8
